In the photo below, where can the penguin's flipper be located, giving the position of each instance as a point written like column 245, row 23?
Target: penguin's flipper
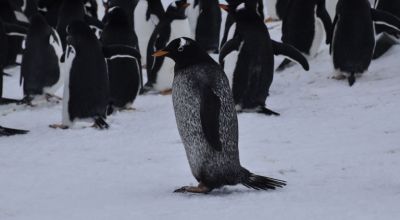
column 10, row 131
column 385, row 18
column 210, row 105
column 335, row 20
column 323, row 14
column 383, row 44
column 158, row 41
column 290, row 52
column 6, row 101
column 228, row 47
column 15, row 30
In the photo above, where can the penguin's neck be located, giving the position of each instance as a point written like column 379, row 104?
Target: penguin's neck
column 192, row 60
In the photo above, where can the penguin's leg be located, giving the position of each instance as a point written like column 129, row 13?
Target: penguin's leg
column 352, row 79
column 201, row 188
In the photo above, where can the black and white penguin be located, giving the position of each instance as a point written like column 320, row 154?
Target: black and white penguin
column 125, row 75
column 230, row 26
column 276, row 9
column 353, row 39
column 49, row 9
column 7, row 30
column 40, row 69
column 5, row 132
column 91, row 8
column 148, row 13
column 160, row 70
column 86, row 88
column 387, row 37
column 248, row 60
column 303, row 27
column 207, row 121
column 205, row 21
column 70, row 10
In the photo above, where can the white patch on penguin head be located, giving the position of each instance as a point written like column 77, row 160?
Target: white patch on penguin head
column 240, row 7
column 112, row 9
column 182, row 44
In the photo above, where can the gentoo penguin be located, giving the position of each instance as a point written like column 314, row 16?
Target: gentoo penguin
column 353, row 39
column 7, row 30
column 148, row 14
column 11, row 131
column 70, row 10
column 207, row 121
column 387, row 37
column 276, row 9
column 205, row 22
column 117, row 30
column 248, row 60
column 160, row 70
column 303, row 27
column 86, row 88
column 230, row 26
column 40, row 70
column 124, row 72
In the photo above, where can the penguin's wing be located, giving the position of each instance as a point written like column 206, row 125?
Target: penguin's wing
column 158, row 40
column 291, row 52
column 384, row 18
column 335, row 20
column 210, row 105
column 231, row 45
column 15, row 30
column 323, row 14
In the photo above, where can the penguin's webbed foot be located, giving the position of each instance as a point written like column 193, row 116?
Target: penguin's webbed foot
column 166, row 92
column 201, row 188
column 59, row 126
column 51, row 97
column 27, row 100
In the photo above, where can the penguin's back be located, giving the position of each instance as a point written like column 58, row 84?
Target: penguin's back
column 214, row 168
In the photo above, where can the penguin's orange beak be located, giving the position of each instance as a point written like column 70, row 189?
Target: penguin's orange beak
column 224, row 7
column 160, row 53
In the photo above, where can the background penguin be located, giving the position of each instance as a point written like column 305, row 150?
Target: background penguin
column 207, row 121
column 7, row 30
column 28, row 7
column 354, row 38
column 276, row 9
column 124, row 72
column 230, row 26
column 174, row 24
column 206, row 24
column 148, row 14
column 40, row 70
column 49, row 9
column 249, row 60
column 387, row 37
column 303, row 27
column 11, row 131
column 86, row 89
column 91, row 8
column 117, row 29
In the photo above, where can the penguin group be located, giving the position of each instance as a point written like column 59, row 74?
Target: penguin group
column 217, row 60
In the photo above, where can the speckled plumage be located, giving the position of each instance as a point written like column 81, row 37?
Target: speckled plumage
column 207, row 165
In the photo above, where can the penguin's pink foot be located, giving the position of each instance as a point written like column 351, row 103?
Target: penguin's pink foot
column 339, row 77
column 201, row 188
column 166, row 92
column 58, row 126
column 270, row 20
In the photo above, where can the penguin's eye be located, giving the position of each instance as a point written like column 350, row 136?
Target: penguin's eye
column 180, row 49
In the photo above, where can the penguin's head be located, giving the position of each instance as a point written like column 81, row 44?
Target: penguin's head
column 242, row 11
column 79, row 33
column 185, row 52
column 176, row 9
column 116, row 15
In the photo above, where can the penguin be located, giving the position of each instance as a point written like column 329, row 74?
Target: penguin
column 7, row 30
column 49, row 9
column 303, row 27
column 353, row 39
column 28, row 7
column 124, row 72
column 91, row 8
column 230, row 27
column 248, row 60
column 159, row 70
column 40, row 69
column 117, row 30
column 148, row 13
column 387, row 37
column 5, row 132
column 206, row 23
column 207, row 121
column 276, row 9
column 86, row 88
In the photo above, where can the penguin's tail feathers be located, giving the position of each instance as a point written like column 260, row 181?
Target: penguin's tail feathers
column 257, row 182
column 285, row 64
column 100, row 123
column 352, row 79
column 10, row 131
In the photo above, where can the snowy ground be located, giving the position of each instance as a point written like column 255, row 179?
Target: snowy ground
column 338, row 148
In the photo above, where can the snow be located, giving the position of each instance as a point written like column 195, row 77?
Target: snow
column 338, row 148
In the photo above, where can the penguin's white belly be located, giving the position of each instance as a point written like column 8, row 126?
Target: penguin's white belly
column 271, row 8
column 230, row 62
column 319, row 36
column 193, row 15
column 143, row 28
column 65, row 71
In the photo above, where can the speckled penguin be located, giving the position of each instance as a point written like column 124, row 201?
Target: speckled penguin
column 207, row 121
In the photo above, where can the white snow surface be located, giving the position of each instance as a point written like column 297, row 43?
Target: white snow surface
column 337, row 147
